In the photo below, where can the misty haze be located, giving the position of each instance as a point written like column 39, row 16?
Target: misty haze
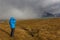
column 29, row 9
column 29, row 19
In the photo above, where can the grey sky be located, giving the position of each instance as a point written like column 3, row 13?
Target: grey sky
column 27, row 9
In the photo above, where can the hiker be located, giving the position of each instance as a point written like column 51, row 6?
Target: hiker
column 12, row 23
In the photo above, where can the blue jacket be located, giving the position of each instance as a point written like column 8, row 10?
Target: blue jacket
column 12, row 22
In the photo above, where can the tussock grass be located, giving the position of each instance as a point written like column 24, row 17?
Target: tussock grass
column 35, row 29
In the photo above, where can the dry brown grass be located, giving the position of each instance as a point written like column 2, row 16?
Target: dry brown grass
column 38, row 29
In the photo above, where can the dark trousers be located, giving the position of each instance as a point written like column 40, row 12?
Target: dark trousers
column 12, row 32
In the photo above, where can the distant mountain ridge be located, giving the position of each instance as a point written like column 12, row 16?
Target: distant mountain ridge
column 47, row 14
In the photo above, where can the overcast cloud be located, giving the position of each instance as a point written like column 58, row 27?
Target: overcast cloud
column 27, row 9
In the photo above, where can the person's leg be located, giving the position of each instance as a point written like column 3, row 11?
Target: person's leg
column 12, row 32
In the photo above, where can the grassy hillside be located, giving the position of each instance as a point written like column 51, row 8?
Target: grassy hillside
column 36, row 29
